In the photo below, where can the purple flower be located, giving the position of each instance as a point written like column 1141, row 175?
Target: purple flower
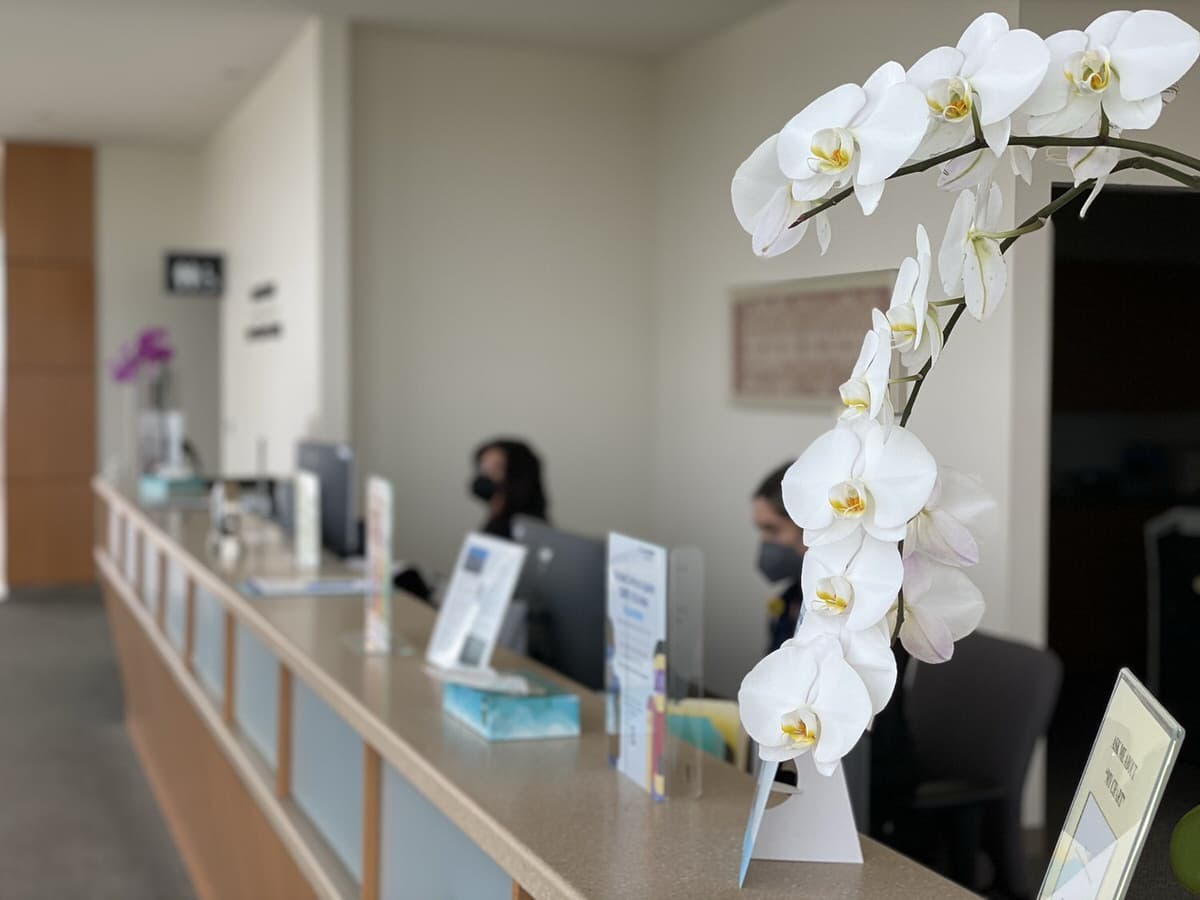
column 153, row 346
column 125, row 367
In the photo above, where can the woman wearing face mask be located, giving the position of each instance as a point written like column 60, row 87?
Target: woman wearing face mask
column 508, row 478
column 780, row 556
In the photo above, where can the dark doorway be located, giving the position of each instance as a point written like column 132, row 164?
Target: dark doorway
column 1125, row 448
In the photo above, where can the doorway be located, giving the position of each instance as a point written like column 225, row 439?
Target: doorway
column 1124, row 448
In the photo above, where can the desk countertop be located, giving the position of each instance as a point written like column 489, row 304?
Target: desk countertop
column 552, row 813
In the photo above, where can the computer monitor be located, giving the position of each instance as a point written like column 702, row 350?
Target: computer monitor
column 563, row 582
column 333, row 464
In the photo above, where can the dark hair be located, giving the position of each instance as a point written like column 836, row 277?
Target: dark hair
column 771, row 489
column 523, row 491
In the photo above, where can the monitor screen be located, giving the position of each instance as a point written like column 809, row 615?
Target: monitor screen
column 563, row 582
column 333, row 464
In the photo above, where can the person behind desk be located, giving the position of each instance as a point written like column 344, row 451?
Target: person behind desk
column 780, row 557
column 508, row 478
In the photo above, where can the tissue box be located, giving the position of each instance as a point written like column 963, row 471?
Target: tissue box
column 505, row 717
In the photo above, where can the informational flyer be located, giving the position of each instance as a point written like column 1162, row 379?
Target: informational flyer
column 377, row 626
column 473, row 607
column 306, row 520
column 1126, row 773
column 637, row 659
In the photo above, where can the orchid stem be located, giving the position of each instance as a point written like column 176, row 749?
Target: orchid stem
column 916, row 376
column 1042, row 215
column 899, row 616
column 953, row 301
column 1102, row 140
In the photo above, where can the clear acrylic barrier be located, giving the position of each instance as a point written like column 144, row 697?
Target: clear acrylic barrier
column 687, row 734
column 654, row 667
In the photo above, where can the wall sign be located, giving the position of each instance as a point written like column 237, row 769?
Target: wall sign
column 194, row 274
column 795, row 341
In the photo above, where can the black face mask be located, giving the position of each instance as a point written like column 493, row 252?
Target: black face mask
column 778, row 562
column 483, row 488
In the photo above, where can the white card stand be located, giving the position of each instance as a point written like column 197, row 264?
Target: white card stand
column 814, row 824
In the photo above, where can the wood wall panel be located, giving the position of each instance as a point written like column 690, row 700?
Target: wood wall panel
column 51, row 319
column 49, row 414
column 50, row 530
column 49, row 202
column 229, row 847
column 50, row 375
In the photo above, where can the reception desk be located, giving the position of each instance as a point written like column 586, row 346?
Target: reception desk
column 288, row 765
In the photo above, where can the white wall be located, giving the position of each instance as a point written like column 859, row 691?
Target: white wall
column 502, row 210
column 147, row 202
column 717, row 100
column 275, row 185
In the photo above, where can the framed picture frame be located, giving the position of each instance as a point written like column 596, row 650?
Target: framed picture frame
column 794, row 342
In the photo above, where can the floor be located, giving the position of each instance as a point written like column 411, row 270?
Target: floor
column 77, row 818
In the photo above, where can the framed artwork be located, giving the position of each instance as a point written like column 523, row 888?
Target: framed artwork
column 795, row 342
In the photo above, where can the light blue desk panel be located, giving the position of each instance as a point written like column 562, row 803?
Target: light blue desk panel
column 425, row 855
column 327, row 774
column 130, row 568
column 150, row 574
column 209, row 645
column 175, row 603
column 255, row 701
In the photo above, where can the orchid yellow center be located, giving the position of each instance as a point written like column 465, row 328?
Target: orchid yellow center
column 832, row 150
column 801, row 731
column 856, row 396
column 949, row 99
column 1089, row 71
column 834, row 595
column 847, row 500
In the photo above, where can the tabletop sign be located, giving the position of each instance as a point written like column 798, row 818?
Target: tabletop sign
column 1126, row 773
column 377, row 627
column 473, row 607
column 306, row 521
column 636, row 672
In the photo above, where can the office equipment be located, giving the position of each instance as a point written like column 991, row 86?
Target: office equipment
column 333, row 464
column 563, row 583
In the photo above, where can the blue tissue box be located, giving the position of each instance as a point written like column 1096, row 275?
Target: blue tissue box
column 505, row 717
column 156, row 490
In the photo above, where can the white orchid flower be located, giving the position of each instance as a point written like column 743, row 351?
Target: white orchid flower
column 989, row 74
column 865, row 393
column 869, row 652
column 944, row 530
column 804, row 698
column 1093, row 162
column 765, row 208
column 915, row 330
column 853, row 134
column 862, row 476
column 1120, row 64
column 970, row 261
column 854, row 580
column 941, row 605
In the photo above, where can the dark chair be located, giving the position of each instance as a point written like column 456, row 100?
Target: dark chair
column 973, row 722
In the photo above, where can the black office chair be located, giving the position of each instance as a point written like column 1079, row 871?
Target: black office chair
column 973, row 722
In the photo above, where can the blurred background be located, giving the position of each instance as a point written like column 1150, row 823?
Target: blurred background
column 438, row 221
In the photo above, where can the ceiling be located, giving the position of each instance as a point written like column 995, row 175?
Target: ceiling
column 170, row 70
